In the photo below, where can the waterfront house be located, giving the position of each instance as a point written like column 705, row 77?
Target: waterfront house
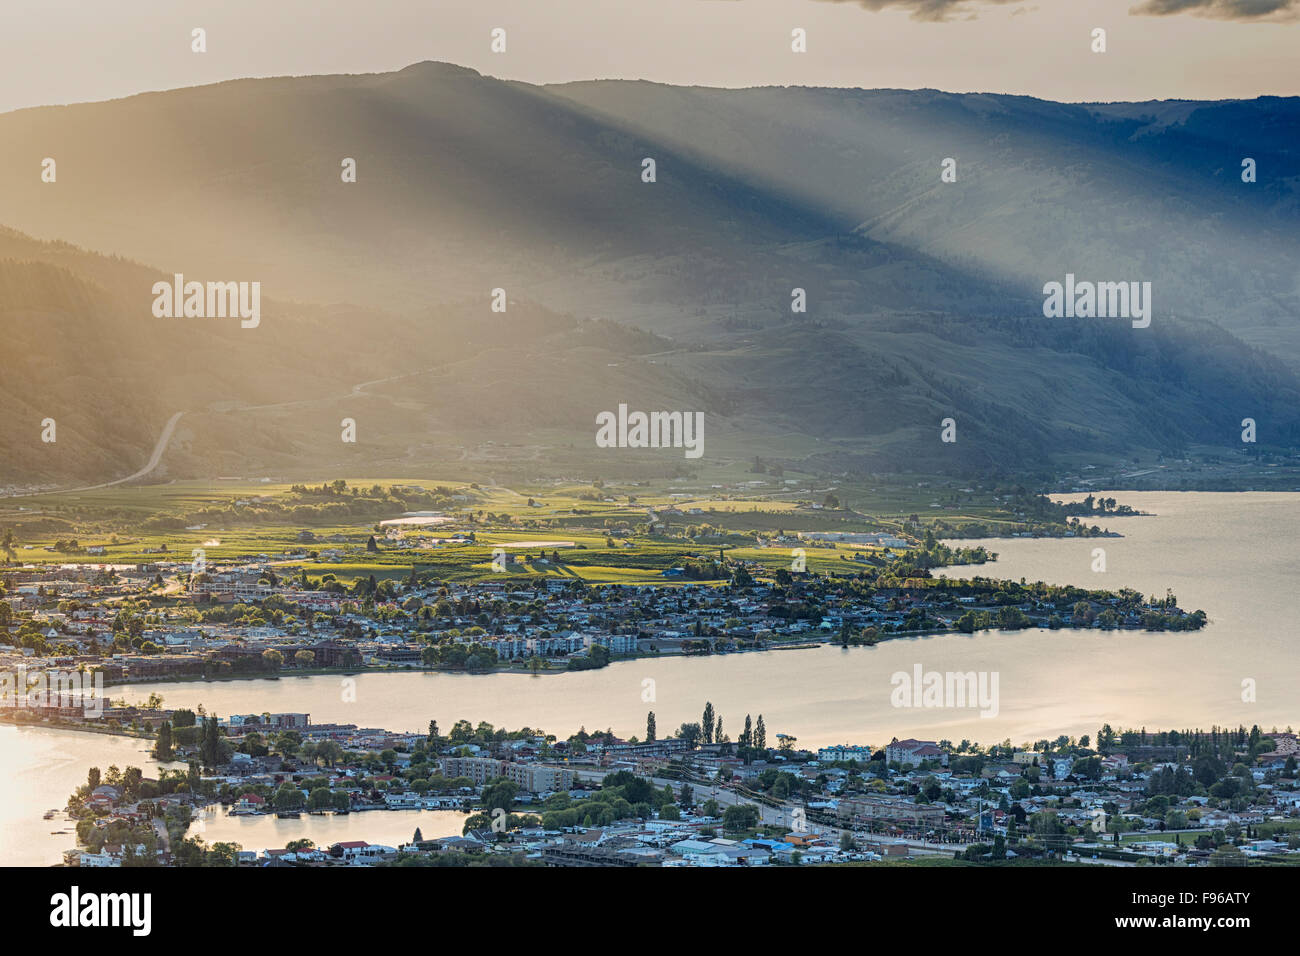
column 249, row 803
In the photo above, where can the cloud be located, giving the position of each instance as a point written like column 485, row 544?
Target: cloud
column 1222, row 9
column 939, row 11
column 935, row 11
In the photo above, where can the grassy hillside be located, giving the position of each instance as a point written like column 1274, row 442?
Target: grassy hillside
column 923, row 298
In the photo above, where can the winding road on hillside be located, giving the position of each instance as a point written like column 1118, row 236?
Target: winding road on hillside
column 165, row 438
column 158, row 449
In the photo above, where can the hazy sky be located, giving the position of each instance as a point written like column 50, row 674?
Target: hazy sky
column 60, row 51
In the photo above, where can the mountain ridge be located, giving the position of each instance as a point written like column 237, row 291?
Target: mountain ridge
column 923, row 297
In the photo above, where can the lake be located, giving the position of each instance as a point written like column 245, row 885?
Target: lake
column 1232, row 555
column 1226, row 553
column 41, row 767
column 39, row 770
column 267, row 831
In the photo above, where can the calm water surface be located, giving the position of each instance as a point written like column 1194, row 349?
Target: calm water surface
column 1234, row 555
column 39, row 770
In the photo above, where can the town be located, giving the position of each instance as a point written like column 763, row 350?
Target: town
column 1223, row 797
column 463, row 588
column 337, row 579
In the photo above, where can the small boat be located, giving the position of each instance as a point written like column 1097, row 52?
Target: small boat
column 289, row 814
column 50, row 814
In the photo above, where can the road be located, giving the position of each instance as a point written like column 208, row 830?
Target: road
column 783, row 816
column 164, row 838
column 158, row 449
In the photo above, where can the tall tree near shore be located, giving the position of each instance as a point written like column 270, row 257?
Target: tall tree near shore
column 163, row 746
column 210, row 749
column 650, row 732
column 706, row 724
column 760, row 734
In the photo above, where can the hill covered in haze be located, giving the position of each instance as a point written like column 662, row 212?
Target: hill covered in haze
column 924, row 298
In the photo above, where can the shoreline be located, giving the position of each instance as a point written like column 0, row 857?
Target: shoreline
column 797, row 645
column 6, row 717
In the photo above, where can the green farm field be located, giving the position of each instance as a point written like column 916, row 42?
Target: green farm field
column 614, row 533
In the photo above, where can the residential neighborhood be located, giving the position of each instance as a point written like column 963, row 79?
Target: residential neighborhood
column 1224, row 797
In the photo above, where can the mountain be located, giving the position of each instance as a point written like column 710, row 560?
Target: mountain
column 1124, row 190
column 924, row 297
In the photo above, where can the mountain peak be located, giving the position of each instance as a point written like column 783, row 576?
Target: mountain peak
column 436, row 69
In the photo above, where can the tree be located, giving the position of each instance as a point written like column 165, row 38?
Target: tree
column 650, row 727
column 163, row 746
column 500, row 794
column 289, row 797
column 760, row 734
column 1047, row 826
column 288, row 743
column 707, row 722
column 740, row 816
column 210, row 749
column 131, row 782
column 1227, row 855
column 689, row 733
column 223, row 854
column 1105, row 739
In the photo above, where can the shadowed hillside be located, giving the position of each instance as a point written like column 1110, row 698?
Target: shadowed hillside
column 924, row 298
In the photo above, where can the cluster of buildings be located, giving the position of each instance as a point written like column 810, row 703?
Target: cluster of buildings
column 74, row 610
column 842, row 803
